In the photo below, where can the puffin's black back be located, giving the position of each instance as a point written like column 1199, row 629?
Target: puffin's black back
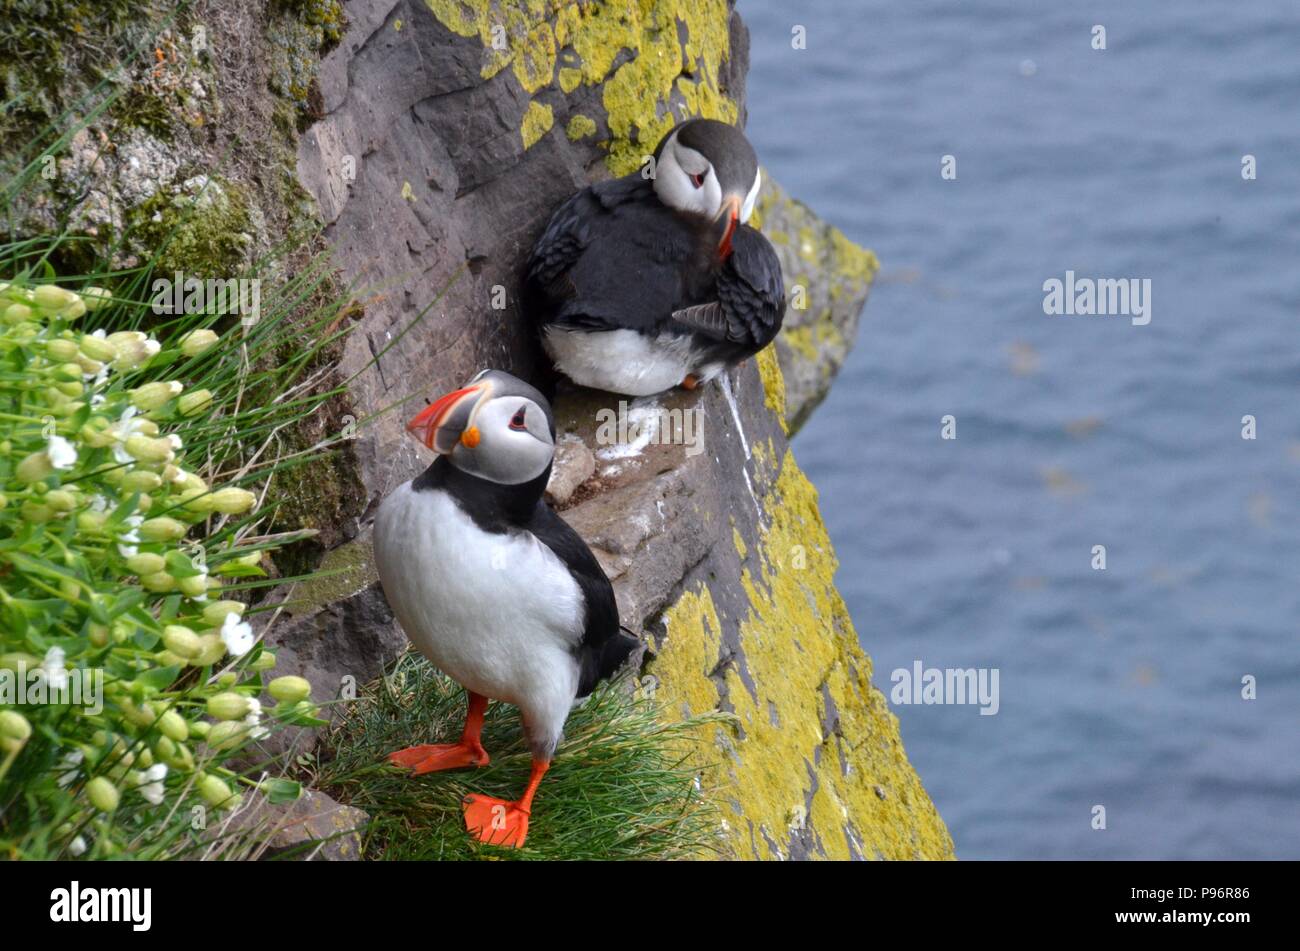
column 613, row 256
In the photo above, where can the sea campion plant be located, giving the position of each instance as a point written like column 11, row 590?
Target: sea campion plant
column 129, row 676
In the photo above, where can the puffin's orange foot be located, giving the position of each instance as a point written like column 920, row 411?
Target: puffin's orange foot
column 433, row 757
column 691, row 382
column 495, row 821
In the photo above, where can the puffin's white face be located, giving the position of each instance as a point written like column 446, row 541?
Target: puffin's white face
column 513, row 444
column 685, row 179
column 495, row 428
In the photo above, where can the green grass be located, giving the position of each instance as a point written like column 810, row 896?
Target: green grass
column 619, row 786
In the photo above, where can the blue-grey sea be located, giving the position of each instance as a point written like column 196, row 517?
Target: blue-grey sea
column 1119, row 687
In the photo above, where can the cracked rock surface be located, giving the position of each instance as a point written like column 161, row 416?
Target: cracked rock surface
column 435, row 163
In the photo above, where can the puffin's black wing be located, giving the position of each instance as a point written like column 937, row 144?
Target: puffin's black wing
column 637, row 268
column 604, row 646
column 751, row 295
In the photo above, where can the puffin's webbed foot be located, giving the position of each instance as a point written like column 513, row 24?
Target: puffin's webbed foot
column 438, row 756
column 500, row 821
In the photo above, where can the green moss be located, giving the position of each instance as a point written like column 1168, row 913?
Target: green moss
column 580, row 127
column 298, row 33
column 200, row 227
column 341, row 573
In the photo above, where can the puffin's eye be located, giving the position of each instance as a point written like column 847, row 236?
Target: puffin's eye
column 698, row 180
column 517, row 420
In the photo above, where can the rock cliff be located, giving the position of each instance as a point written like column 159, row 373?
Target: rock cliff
column 432, row 138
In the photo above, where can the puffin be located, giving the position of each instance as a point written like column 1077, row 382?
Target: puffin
column 492, row 586
column 656, row 279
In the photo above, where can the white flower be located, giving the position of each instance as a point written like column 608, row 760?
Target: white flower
column 151, row 783
column 61, row 452
column 98, row 503
column 72, row 763
column 128, row 540
column 126, row 427
column 237, row 635
column 77, row 846
column 175, row 441
column 55, row 674
column 254, row 718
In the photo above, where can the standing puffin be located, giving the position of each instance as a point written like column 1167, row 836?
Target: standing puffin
column 492, row 586
column 643, row 283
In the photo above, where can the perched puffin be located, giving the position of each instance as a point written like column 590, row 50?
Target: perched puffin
column 649, row 281
column 494, row 587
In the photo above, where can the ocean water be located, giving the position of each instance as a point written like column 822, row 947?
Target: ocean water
column 1119, row 687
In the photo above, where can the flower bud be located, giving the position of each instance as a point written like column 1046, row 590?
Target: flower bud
column 90, row 522
column 197, row 342
column 103, row 794
column 97, row 348
column 200, row 728
column 36, row 513
column 62, row 350
column 14, row 731
column 50, row 297
column 174, row 754
column 162, row 529
column 231, row 501
column 153, row 395
column 146, row 563
column 213, row 650
column 133, row 348
column 194, row 586
column 146, row 449
column 74, row 310
column 16, row 314
column 181, row 640
column 61, row 500
column 289, row 689
column 215, row 613
column 214, row 791
column 227, row 734
column 228, row 706
column 159, row 582
column 264, row 661
column 94, row 297
column 173, row 725
column 141, row 480
column 194, row 402
column 35, row 468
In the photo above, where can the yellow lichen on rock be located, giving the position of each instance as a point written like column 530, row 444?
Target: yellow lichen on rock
column 664, row 82
column 537, row 122
column 795, row 671
column 769, row 369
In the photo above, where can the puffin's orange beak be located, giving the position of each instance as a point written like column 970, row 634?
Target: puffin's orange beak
column 730, row 207
column 447, row 420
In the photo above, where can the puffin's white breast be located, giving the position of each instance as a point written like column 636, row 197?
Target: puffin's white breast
column 500, row 614
column 624, row 361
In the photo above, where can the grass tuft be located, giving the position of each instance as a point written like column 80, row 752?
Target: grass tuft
column 620, row 786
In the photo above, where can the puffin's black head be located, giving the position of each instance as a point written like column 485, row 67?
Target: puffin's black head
column 496, row 427
column 708, row 168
